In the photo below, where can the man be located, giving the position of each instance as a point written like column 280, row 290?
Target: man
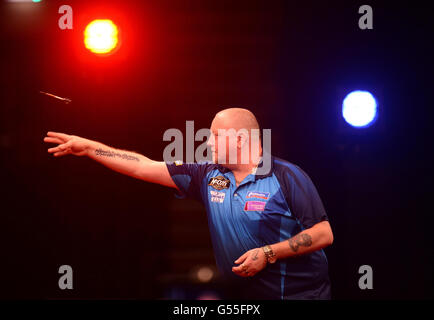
column 267, row 229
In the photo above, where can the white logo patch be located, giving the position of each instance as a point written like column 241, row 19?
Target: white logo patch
column 217, row 196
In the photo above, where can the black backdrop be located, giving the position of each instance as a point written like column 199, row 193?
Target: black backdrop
column 289, row 62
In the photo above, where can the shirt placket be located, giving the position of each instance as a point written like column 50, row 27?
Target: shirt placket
column 236, row 196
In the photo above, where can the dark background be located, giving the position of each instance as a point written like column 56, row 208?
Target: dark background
column 290, row 62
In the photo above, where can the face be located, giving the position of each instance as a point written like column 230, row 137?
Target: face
column 213, row 142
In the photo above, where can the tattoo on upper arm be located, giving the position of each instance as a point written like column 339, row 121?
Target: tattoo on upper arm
column 299, row 240
column 104, row 153
column 255, row 255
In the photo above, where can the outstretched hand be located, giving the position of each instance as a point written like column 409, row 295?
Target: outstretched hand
column 250, row 263
column 67, row 144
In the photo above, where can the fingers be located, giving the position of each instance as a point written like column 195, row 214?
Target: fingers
column 62, row 136
column 238, row 268
column 62, row 139
column 61, row 153
column 242, row 258
column 238, row 272
column 242, row 271
column 247, row 267
column 53, row 140
column 59, row 148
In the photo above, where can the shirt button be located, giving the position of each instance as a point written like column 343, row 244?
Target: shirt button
column 235, row 194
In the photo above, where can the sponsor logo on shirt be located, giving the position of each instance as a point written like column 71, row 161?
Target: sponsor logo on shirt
column 258, row 194
column 178, row 163
column 217, row 196
column 219, row 183
column 254, row 206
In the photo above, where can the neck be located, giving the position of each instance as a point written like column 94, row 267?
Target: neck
column 242, row 168
column 241, row 171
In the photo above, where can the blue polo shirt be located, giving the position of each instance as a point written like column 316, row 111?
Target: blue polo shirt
column 263, row 209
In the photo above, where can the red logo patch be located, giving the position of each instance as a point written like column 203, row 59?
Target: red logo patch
column 254, row 206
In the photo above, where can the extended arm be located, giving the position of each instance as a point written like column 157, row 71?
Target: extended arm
column 125, row 162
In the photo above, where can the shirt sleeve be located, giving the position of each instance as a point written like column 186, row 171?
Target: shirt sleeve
column 304, row 200
column 188, row 178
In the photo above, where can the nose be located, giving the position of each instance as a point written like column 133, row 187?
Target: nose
column 210, row 141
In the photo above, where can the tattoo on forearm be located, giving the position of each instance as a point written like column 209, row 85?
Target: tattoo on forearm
column 104, row 153
column 299, row 240
column 255, row 255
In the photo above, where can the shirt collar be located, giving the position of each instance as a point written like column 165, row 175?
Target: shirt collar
column 269, row 173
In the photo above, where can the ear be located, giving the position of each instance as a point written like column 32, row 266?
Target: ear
column 242, row 138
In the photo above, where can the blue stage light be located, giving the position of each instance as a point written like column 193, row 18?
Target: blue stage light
column 359, row 109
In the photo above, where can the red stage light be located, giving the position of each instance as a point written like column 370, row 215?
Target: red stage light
column 101, row 36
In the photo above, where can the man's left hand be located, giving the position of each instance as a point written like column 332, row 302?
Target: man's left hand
column 250, row 263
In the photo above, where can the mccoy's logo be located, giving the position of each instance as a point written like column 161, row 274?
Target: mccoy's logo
column 219, row 183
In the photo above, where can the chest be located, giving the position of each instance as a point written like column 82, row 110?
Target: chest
column 250, row 200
